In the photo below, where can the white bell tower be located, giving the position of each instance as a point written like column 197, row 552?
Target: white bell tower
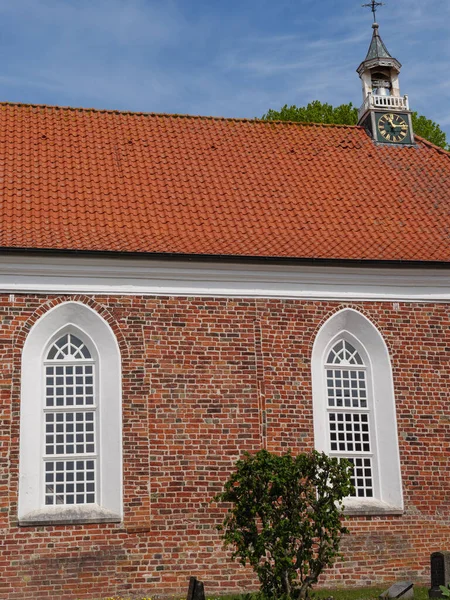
column 379, row 73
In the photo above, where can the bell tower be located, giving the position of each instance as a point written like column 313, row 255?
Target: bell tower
column 384, row 113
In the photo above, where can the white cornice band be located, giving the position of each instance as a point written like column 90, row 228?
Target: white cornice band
column 89, row 275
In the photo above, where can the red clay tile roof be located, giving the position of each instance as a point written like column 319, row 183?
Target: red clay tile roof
column 76, row 179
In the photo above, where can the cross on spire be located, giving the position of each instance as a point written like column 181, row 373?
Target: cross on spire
column 373, row 5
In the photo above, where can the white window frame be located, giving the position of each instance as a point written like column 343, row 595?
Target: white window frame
column 362, row 333
column 83, row 321
column 369, row 410
column 74, row 409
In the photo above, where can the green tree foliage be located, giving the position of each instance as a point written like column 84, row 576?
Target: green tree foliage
column 285, row 518
column 315, row 112
column 347, row 114
column 429, row 130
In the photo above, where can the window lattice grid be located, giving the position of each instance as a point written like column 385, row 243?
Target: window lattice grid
column 349, row 432
column 69, row 385
column 344, row 353
column 346, row 388
column 70, row 482
column 69, row 433
column 68, row 347
column 362, row 476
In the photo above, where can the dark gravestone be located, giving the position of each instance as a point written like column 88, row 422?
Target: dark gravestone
column 196, row 590
column 440, row 573
column 403, row 589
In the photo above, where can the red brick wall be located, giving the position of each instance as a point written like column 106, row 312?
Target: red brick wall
column 203, row 381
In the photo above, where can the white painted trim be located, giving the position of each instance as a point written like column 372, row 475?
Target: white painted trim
column 362, row 333
column 90, row 275
column 89, row 325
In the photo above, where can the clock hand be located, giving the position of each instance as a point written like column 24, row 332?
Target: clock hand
column 391, row 121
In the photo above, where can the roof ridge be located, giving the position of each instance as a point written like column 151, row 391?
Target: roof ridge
column 434, row 146
column 174, row 115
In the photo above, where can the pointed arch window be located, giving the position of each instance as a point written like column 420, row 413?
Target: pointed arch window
column 354, row 410
column 349, row 414
column 71, row 420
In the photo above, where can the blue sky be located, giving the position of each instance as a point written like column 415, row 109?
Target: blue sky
column 235, row 59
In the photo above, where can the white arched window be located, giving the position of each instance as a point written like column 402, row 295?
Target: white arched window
column 70, row 422
column 70, row 445
column 354, row 409
column 349, row 414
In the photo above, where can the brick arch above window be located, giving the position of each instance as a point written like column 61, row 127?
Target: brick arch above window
column 102, row 310
column 344, row 333
column 70, row 322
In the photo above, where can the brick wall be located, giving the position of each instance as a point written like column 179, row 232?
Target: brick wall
column 203, row 381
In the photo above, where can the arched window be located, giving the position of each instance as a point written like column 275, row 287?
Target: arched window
column 70, row 419
column 354, row 409
column 70, row 446
column 349, row 414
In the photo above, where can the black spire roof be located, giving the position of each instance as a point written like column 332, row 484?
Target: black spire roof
column 378, row 54
column 377, row 49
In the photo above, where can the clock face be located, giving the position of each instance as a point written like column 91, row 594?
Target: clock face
column 393, row 127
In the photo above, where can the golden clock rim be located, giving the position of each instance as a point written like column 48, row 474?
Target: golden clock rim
column 400, row 136
column 392, row 115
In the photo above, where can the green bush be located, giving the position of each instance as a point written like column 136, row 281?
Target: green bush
column 285, row 518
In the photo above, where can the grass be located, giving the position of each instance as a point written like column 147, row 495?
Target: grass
column 366, row 593
column 372, row 593
column 420, row 593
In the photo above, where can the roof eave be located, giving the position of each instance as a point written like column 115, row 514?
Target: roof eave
column 393, row 63
column 232, row 258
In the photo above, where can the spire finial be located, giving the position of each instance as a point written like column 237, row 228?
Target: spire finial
column 373, row 5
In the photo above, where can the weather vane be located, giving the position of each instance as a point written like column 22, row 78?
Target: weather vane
column 373, row 6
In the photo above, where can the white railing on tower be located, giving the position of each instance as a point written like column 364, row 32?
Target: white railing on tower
column 390, row 102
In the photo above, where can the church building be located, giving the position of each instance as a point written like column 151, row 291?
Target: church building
column 177, row 290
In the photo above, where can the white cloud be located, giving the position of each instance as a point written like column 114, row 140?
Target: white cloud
column 117, row 21
column 207, row 58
